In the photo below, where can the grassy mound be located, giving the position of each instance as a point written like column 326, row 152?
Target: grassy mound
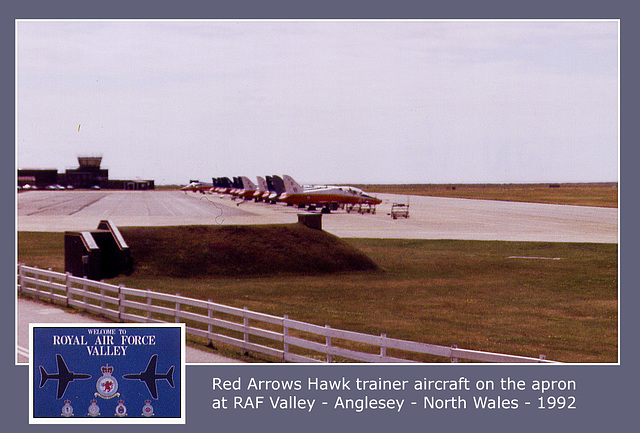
column 195, row 251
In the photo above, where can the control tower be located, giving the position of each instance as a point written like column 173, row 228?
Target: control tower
column 88, row 174
column 89, row 163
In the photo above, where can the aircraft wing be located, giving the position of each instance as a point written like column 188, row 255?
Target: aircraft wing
column 149, row 376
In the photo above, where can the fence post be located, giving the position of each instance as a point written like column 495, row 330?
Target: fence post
column 177, row 314
column 102, row 302
column 148, row 306
column 328, row 341
column 68, row 285
column 50, row 286
column 37, row 278
column 209, row 325
column 120, row 303
column 383, row 346
column 19, row 278
column 84, row 291
column 245, row 322
column 285, row 338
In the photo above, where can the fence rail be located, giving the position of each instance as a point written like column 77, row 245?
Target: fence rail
column 286, row 339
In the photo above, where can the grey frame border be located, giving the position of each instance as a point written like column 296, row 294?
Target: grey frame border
column 606, row 393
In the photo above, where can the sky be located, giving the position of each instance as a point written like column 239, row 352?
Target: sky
column 323, row 101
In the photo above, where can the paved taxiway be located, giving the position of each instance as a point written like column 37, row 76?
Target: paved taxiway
column 430, row 217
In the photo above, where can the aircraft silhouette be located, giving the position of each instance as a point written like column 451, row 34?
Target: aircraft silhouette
column 63, row 376
column 149, row 376
column 326, row 195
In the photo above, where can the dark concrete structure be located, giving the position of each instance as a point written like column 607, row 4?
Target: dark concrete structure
column 40, row 178
column 311, row 220
column 99, row 254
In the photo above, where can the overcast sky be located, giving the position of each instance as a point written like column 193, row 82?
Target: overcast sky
column 323, row 101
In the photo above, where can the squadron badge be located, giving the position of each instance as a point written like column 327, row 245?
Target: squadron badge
column 147, row 409
column 121, row 409
column 94, row 409
column 67, row 409
column 107, row 385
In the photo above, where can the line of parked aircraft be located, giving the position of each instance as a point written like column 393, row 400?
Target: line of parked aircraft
column 276, row 189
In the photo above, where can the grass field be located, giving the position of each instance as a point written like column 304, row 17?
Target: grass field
column 579, row 194
column 257, row 250
column 518, row 298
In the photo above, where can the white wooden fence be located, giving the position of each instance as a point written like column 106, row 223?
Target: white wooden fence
column 279, row 337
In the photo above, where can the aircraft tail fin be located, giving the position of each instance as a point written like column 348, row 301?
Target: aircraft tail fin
column 247, row 184
column 43, row 376
column 278, row 184
column 262, row 184
column 170, row 376
column 290, row 185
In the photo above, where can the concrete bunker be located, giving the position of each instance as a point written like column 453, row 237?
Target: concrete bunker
column 98, row 254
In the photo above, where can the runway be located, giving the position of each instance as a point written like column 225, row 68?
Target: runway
column 430, row 217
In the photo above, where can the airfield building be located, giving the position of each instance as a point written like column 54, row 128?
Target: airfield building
column 88, row 175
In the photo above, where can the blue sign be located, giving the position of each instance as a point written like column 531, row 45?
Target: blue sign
column 103, row 371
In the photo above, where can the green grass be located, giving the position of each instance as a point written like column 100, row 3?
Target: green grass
column 45, row 250
column 469, row 293
column 192, row 251
column 578, row 194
